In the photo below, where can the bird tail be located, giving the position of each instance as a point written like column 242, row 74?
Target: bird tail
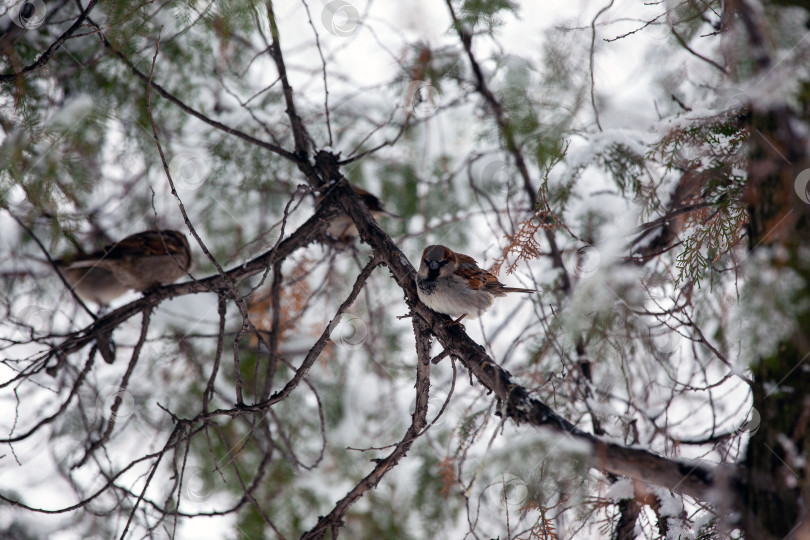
column 517, row 289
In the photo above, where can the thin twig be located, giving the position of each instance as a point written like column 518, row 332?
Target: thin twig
column 240, row 302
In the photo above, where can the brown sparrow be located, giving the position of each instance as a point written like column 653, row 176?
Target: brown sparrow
column 92, row 284
column 140, row 262
column 453, row 284
column 342, row 227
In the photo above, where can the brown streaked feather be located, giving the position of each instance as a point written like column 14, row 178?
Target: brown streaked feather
column 371, row 200
column 483, row 279
column 478, row 279
column 144, row 244
column 149, row 244
column 464, row 259
column 342, row 228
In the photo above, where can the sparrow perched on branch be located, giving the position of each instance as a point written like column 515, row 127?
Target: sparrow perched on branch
column 138, row 262
column 453, row 284
column 342, row 227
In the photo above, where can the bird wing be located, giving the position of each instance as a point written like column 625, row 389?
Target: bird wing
column 137, row 243
column 482, row 279
column 146, row 244
column 475, row 276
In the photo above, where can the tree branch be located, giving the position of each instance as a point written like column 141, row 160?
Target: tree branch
column 418, row 421
column 193, row 112
column 43, row 58
column 309, row 232
column 688, row 477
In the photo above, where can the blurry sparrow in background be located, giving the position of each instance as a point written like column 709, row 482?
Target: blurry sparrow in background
column 92, row 284
column 342, row 227
column 453, row 284
column 140, row 262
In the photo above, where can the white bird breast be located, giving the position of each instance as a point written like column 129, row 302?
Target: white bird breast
column 452, row 296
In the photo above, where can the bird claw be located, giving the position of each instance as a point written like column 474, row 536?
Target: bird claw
column 455, row 322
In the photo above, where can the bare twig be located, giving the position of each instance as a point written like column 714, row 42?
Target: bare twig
column 591, row 62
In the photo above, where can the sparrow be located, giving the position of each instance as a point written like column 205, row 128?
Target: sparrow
column 139, row 262
column 92, row 284
column 453, row 284
column 342, row 228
